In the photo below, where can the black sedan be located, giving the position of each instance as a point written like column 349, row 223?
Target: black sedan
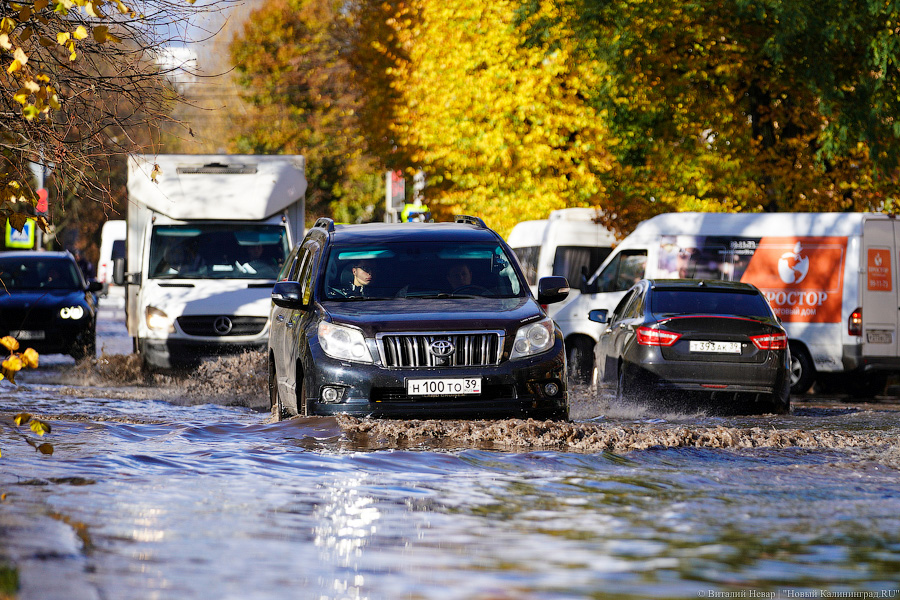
column 46, row 304
column 720, row 338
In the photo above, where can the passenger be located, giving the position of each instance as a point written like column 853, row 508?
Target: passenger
column 263, row 266
column 459, row 276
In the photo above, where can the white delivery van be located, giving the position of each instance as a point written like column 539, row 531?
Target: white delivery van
column 570, row 243
column 207, row 235
column 830, row 277
column 112, row 246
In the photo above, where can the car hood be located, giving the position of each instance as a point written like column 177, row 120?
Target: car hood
column 40, row 298
column 450, row 314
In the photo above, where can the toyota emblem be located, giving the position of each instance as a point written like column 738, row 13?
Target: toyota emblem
column 222, row 325
column 442, row 348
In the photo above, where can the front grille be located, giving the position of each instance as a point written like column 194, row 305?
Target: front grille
column 488, row 392
column 205, row 325
column 461, row 349
column 35, row 317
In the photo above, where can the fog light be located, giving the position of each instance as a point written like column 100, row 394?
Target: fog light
column 332, row 394
column 551, row 389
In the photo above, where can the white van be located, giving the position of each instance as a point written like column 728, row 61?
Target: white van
column 571, row 243
column 112, row 246
column 830, row 277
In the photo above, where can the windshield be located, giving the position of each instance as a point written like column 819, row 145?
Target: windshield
column 48, row 273
column 238, row 251
column 420, row 270
column 743, row 304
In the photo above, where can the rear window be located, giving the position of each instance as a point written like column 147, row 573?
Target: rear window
column 716, row 302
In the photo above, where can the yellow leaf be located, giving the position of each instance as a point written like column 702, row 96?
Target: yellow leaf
column 100, row 33
column 80, row 33
column 10, row 343
column 14, row 66
column 22, row 96
column 39, row 427
column 42, row 77
column 62, row 37
column 31, row 86
column 54, row 104
column 94, row 10
column 22, row 418
column 30, row 358
column 13, row 363
column 4, row 41
column 122, row 8
column 41, row 4
column 20, row 56
column 156, row 172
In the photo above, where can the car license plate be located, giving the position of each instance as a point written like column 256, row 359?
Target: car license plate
column 443, row 387
column 23, row 334
column 718, row 347
column 875, row 336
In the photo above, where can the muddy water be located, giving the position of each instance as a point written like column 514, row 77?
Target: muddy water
column 152, row 493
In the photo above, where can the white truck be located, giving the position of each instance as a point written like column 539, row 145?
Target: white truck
column 207, row 235
column 832, row 278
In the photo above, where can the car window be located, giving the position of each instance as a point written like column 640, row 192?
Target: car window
column 311, row 253
column 49, row 273
column 619, row 311
column 528, row 259
column 635, row 306
column 570, row 261
column 625, row 269
column 717, row 302
column 421, row 269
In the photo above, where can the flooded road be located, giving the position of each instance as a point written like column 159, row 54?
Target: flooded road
column 162, row 492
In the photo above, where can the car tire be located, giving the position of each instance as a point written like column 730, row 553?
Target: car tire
column 803, row 372
column 867, row 385
column 275, row 403
column 86, row 349
column 302, row 401
column 580, row 357
column 622, row 391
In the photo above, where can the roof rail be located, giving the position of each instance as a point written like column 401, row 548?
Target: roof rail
column 325, row 223
column 469, row 220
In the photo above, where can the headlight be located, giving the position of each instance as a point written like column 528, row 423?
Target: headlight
column 344, row 343
column 157, row 320
column 71, row 312
column 533, row 338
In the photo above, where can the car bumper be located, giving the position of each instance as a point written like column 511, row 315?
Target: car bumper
column 511, row 389
column 57, row 337
column 180, row 354
column 761, row 378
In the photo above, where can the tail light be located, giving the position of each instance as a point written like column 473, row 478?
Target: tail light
column 772, row 341
column 854, row 324
column 647, row 336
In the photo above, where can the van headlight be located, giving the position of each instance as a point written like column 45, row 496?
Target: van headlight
column 533, row 338
column 71, row 312
column 344, row 343
column 158, row 320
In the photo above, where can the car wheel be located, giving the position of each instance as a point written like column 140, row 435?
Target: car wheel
column 866, row 386
column 803, row 373
column 86, row 349
column 580, row 356
column 621, row 387
column 302, row 402
column 275, row 403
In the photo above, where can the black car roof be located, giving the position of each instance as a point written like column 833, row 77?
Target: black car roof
column 696, row 284
column 412, row 232
column 34, row 254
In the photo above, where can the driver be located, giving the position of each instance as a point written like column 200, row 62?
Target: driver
column 363, row 275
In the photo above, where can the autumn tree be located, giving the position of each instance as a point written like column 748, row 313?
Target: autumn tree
column 751, row 104
column 291, row 65
column 80, row 80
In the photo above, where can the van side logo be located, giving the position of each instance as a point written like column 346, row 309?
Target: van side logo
column 792, row 267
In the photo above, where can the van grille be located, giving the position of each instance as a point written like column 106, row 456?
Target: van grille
column 206, row 325
column 457, row 349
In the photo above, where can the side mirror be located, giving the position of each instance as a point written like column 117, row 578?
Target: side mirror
column 119, row 271
column 288, row 294
column 598, row 315
column 94, row 286
column 552, row 289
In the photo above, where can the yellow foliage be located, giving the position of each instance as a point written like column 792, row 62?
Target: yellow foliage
column 503, row 130
column 10, row 343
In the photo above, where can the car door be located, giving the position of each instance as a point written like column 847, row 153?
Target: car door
column 622, row 337
column 606, row 353
column 280, row 316
column 298, row 321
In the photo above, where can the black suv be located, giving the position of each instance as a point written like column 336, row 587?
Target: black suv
column 413, row 320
